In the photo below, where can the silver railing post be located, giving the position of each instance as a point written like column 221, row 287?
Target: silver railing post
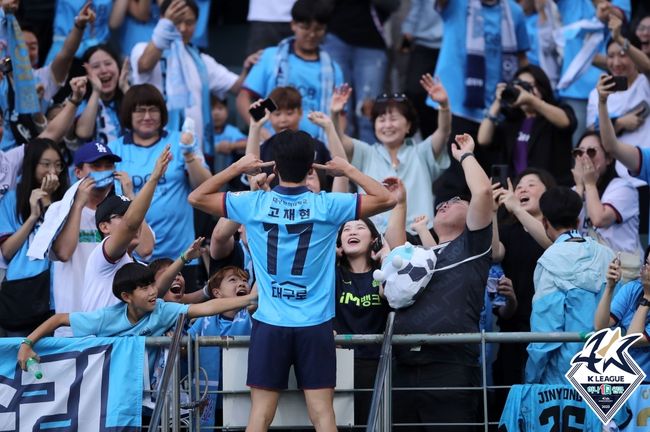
column 176, row 393
column 484, row 372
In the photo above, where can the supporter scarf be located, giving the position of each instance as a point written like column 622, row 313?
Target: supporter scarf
column 326, row 75
column 167, row 38
column 208, row 125
column 592, row 32
column 475, row 44
column 24, row 83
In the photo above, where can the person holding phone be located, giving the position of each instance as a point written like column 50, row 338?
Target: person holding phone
column 528, row 127
column 628, row 106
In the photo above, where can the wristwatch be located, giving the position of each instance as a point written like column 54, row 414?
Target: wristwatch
column 644, row 302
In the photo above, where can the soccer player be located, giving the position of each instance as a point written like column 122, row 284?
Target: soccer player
column 292, row 233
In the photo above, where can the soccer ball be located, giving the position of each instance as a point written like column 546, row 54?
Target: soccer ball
column 405, row 271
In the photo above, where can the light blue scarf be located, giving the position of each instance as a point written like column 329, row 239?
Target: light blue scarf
column 24, row 82
column 208, row 126
column 282, row 73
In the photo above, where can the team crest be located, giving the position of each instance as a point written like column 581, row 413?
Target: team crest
column 604, row 373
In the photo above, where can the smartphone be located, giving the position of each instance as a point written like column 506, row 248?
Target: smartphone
column 642, row 110
column 258, row 112
column 499, row 174
column 620, row 83
column 377, row 244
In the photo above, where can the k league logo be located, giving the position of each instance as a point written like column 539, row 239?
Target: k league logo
column 604, row 373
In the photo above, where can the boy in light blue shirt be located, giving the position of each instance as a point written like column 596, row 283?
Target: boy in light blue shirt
column 229, row 141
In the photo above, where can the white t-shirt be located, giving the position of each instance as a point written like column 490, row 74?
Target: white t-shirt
column 98, row 279
column 270, row 11
column 220, row 80
column 621, row 196
column 11, row 162
column 44, row 76
column 68, row 277
column 619, row 104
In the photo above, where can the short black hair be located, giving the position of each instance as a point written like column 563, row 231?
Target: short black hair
column 544, row 176
column 142, row 94
column 293, row 153
column 189, row 3
column 160, row 263
column 561, row 207
column 307, row 11
column 131, row 276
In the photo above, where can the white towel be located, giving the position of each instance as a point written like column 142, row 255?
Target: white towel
column 55, row 218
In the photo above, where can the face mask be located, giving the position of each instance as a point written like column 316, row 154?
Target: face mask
column 102, row 179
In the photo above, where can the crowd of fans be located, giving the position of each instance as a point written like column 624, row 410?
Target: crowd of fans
column 123, row 190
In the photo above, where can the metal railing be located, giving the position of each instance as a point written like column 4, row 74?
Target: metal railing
column 379, row 418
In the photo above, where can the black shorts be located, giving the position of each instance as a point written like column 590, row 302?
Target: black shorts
column 273, row 349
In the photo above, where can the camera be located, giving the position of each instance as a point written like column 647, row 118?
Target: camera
column 5, row 65
column 511, row 93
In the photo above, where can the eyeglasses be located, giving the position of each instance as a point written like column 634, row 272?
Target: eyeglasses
column 591, row 152
column 48, row 165
column 385, row 97
column 449, row 202
column 643, row 28
column 151, row 110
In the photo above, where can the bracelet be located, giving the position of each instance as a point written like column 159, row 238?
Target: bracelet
column 183, row 258
column 73, row 102
column 464, row 156
column 27, row 342
column 79, row 26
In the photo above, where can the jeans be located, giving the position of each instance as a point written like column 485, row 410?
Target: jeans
column 364, row 69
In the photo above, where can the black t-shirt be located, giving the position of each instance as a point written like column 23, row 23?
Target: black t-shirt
column 451, row 302
column 522, row 253
column 359, row 308
column 353, row 21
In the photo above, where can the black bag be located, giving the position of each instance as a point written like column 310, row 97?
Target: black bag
column 25, row 303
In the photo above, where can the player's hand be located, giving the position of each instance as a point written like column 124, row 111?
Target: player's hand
column 336, row 167
column 261, row 181
column 250, row 164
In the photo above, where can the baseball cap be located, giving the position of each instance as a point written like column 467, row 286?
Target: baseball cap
column 112, row 205
column 92, row 151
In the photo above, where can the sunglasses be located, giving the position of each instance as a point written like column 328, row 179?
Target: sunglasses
column 385, row 97
column 448, row 202
column 591, row 152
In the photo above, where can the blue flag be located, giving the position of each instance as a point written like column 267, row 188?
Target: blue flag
column 89, row 384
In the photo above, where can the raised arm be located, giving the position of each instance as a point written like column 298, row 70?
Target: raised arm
column 377, row 198
column 479, row 214
column 249, row 62
column 489, row 123
column 438, row 94
column 197, row 172
column 396, row 229
column 533, row 226
column 62, row 62
column 85, row 127
column 602, row 317
column 255, row 128
column 66, row 242
column 341, row 183
column 337, row 105
column 222, row 241
column 207, row 197
column 164, row 282
column 62, row 123
column 628, row 155
column 638, row 57
column 117, row 244
column 163, row 34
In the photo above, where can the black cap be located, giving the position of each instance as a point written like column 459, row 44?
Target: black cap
column 112, row 205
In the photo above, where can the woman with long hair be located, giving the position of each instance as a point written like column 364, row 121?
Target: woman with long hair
column 25, row 293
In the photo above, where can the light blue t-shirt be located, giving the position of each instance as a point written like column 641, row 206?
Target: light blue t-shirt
column 95, row 33
column 230, row 133
column 531, row 29
column 134, row 31
column 572, row 11
column 20, row 267
column 107, row 123
column 113, row 321
column 305, row 75
column 453, row 54
column 644, row 164
column 292, row 237
column 170, row 215
column 626, row 299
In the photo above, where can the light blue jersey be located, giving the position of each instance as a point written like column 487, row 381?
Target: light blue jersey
column 531, row 28
column 303, row 75
column 113, row 321
column 8, row 141
column 292, row 237
column 95, row 33
column 571, row 12
column 547, row 408
column 19, row 267
column 134, row 31
column 210, row 357
column 453, row 54
column 107, row 122
column 170, row 215
column 626, row 300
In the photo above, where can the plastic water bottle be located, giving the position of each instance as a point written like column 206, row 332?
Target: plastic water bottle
column 496, row 273
column 34, row 367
